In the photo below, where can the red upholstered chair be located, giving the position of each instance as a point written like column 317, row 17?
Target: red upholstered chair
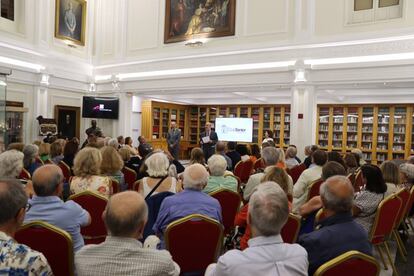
column 55, row 243
column 49, row 162
column 259, row 164
column 243, row 170
column 39, row 161
column 24, row 174
column 230, row 204
column 384, row 223
column 408, row 209
column 314, row 188
column 296, row 171
column 291, row 229
column 65, row 170
column 194, row 242
column 404, row 195
column 130, row 177
column 115, row 186
column 359, row 181
column 351, row 177
column 95, row 204
column 350, row 263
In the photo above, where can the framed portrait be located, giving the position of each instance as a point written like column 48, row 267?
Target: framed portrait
column 188, row 19
column 70, row 20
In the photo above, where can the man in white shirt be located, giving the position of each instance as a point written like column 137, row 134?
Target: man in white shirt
column 267, row 253
column 301, row 188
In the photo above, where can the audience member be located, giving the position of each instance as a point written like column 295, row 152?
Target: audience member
column 29, row 161
column 351, row 163
column 15, row 258
column 301, row 188
column 267, row 253
column 122, row 253
column 157, row 170
column 44, row 151
column 142, row 140
column 281, row 162
column 11, row 164
column 87, row 171
column 121, row 141
column 47, row 205
column 216, row 181
column 391, row 174
column 254, row 152
column 407, row 175
column 113, row 143
column 309, row 150
column 128, row 145
column 144, row 150
column 268, row 136
column 190, row 201
column 126, row 157
column 337, row 233
column 233, row 154
column 360, row 158
column 296, row 157
column 16, row 146
column 221, row 150
column 336, row 156
column 112, row 165
column 367, row 201
column 56, row 152
column 197, row 156
column 291, row 161
column 243, row 151
column 69, row 152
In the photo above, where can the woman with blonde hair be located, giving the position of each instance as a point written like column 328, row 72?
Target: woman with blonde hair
column 157, row 170
column 56, row 152
column 197, row 156
column 391, row 174
column 87, row 170
column 281, row 163
column 112, row 165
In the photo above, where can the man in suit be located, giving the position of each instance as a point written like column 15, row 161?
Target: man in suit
column 208, row 140
column 173, row 140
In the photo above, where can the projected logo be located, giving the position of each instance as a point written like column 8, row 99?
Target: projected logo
column 226, row 129
column 101, row 108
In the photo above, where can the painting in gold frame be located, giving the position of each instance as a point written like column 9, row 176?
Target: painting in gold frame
column 70, row 20
column 189, row 19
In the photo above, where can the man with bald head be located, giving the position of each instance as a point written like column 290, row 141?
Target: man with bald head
column 190, row 201
column 122, row 254
column 47, row 206
column 338, row 232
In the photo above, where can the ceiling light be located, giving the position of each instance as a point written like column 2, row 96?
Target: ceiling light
column 210, row 69
column 20, row 63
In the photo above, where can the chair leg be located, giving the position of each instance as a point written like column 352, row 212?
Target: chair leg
column 400, row 245
column 378, row 247
column 411, row 225
column 387, row 250
column 401, row 242
column 407, row 231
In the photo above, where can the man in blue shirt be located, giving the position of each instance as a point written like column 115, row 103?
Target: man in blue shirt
column 190, row 201
column 47, row 206
column 338, row 232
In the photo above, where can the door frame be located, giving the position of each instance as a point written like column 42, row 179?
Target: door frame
column 71, row 108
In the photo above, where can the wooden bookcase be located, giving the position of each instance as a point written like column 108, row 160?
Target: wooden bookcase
column 382, row 132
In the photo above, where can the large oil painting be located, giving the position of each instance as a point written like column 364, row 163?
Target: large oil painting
column 188, row 19
column 70, row 20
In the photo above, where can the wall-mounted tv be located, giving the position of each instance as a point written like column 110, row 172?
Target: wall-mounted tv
column 100, row 107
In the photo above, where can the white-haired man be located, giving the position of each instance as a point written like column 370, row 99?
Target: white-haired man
column 191, row 201
column 267, row 254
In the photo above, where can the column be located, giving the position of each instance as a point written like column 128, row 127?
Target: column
column 125, row 115
column 303, row 117
column 40, row 105
column 304, row 19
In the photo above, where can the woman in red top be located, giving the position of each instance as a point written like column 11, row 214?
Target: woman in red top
column 280, row 177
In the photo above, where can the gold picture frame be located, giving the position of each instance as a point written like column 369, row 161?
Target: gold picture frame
column 70, row 20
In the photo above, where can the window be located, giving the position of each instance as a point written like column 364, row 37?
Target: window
column 388, row 3
column 371, row 11
column 7, row 9
column 360, row 5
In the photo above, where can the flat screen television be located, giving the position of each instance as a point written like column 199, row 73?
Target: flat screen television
column 100, row 107
column 234, row 129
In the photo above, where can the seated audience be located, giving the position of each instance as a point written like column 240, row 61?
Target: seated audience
column 274, row 175
column 281, row 162
column 121, row 141
column 391, row 174
column 142, row 140
column 29, row 161
column 216, row 181
column 47, row 205
column 270, row 157
column 360, row 158
column 351, row 163
column 268, row 136
column 157, row 170
column 112, row 165
column 126, row 157
column 301, row 188
column 122, row 253
column 233, row 154
column 221, row 150
column 16, row 146
column 44, row 151
column 296, row 157
column 407, row 175
column 254, row 152
column 190, row 201
column 128, row 145
column 197, row 156
column 308, row 153
column 243, row 151
column 113, row 142
column 336, row 156
column 56, row 152
column 367, row 201
column 291, row 161
column 15, row 258
column 337, row 233
column 267, row 254
column 87, row 171
column 69, row 152
column 11, row 164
